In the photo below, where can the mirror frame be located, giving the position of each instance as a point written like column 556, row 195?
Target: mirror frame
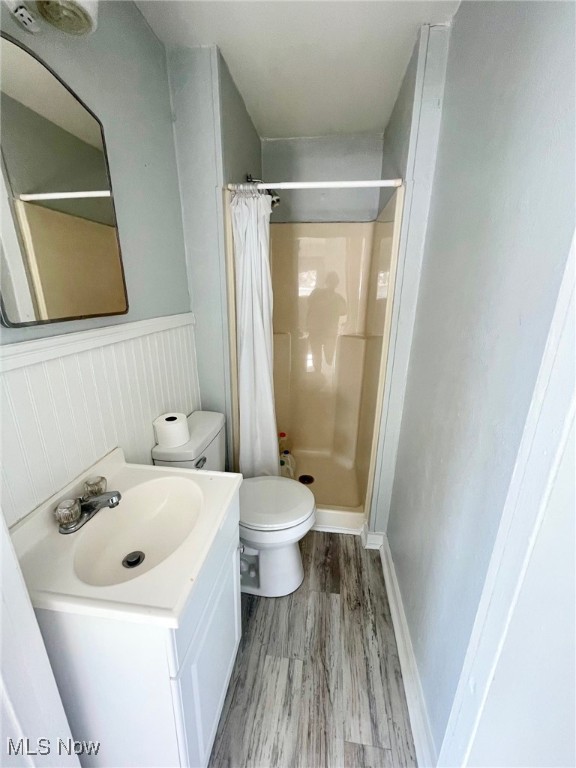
column 4, row 319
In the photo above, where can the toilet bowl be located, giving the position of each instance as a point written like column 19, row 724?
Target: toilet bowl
column 275, row 512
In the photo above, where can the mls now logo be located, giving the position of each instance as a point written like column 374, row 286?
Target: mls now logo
column 45, row 747
column 70, row 747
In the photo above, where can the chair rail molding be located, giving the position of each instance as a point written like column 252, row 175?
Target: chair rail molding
column 24, row 353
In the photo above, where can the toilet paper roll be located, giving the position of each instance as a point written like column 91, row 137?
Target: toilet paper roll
column 171, row 430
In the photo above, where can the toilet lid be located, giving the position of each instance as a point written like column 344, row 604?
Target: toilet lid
column 273, row 503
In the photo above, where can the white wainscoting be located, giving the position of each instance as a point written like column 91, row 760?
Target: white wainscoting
column 68, row 400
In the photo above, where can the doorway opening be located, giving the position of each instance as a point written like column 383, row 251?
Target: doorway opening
column 333, row 286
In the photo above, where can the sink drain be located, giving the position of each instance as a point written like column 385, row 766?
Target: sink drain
column 133, row 559
column 306, row 479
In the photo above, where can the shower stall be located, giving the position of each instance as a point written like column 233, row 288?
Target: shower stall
column 332, row 284
column 332, row 287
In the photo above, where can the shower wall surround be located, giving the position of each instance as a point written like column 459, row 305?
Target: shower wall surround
column 330, row 285
column 379, row 295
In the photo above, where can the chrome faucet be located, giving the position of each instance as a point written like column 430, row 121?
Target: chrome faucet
column 72, row 514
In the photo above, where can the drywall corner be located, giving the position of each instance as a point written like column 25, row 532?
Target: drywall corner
column 413, row 147
column 241, row 145
column 195, row 102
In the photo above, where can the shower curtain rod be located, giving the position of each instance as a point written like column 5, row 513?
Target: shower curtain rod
column 321, row 184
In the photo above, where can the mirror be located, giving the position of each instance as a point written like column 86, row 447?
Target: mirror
column 59, row 251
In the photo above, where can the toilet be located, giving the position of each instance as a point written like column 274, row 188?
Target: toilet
column 275, row 512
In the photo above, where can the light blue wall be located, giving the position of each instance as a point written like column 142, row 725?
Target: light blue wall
column 193, row 83
column 216, row 143
column 500, row 227
column 324, row 158
column 397, row 133
column 241, row 146
column 120, row 73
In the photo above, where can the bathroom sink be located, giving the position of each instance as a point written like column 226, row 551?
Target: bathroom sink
column 152, row 520
column 163, row 530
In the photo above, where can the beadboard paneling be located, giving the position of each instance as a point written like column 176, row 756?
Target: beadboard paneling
column 61, row 415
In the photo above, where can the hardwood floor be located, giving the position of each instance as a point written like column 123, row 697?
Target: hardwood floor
column 317, row 681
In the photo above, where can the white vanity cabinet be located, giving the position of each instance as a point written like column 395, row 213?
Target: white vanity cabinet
column 151, row 693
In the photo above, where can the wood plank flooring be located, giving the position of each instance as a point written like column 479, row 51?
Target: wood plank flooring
column 317, row 681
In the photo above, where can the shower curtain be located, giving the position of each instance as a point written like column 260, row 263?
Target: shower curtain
column 251, row 227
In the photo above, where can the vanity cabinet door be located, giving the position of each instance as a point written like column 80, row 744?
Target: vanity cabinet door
column 202, row 593
column 205, row 672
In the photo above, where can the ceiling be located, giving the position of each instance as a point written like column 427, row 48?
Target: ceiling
column 306, row 68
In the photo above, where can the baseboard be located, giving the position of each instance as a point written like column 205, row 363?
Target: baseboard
column 339, row 521
column 371, row 540
column 423, row 742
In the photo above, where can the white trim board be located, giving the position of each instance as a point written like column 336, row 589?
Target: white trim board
column 24, row 353
column 371, row 540
column 420, row 724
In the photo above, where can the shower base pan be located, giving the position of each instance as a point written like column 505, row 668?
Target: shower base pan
column 335, row 489
column 335, row 485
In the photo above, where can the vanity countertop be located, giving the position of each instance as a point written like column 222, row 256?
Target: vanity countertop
column 54, row 564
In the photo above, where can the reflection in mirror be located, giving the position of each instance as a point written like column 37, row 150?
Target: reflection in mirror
column 59, row 254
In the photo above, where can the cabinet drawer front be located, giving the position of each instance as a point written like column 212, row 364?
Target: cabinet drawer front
column 200, row 598
column 205, row 672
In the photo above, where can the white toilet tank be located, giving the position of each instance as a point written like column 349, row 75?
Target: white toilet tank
column 206, row 448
